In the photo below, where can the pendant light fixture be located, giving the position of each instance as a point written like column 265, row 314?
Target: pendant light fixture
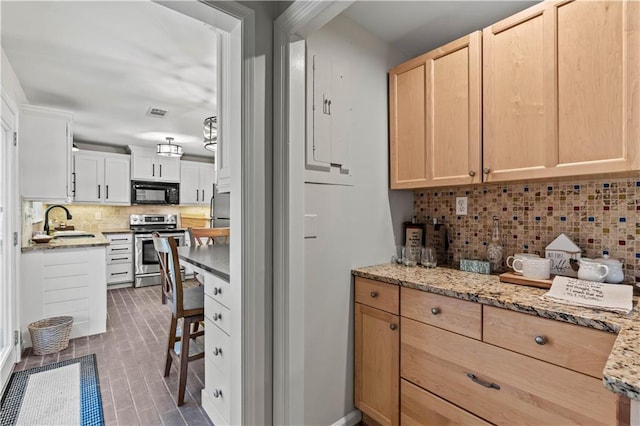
column 211, row 133
column 169, row 150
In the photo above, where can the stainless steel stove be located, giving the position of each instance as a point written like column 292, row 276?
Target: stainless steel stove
column 147, row 270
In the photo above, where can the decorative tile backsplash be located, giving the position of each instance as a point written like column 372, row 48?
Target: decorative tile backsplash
column 600, row 216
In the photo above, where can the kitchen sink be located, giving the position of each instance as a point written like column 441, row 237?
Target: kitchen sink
column 72, row 234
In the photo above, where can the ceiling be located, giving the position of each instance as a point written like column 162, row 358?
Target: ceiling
column 109, row 62
column 416, row 27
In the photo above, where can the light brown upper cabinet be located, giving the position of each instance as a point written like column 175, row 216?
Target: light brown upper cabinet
column 561, row 91
column 435, row 117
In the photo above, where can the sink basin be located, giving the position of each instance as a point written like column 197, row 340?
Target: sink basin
column 72, row 234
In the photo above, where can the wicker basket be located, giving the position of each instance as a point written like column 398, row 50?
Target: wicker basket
column 50, row 335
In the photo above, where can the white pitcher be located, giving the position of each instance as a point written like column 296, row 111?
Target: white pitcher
column 592, row 270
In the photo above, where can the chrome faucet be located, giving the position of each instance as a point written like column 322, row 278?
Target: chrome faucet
column 46, row 216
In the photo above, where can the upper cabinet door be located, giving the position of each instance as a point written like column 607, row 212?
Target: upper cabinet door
column 190, row 192
column 116, row 180
column 435, row 117
column 89, row 177
column 407, row 125
column 454, row 119
column 559, row 94
column 143, row 165
column 168, row 169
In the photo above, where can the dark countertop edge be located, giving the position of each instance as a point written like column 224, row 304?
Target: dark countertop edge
column 212, row 268
column 611, row 381
column 117, row 231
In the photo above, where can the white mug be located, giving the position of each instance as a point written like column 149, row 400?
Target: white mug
column 530, row 267
column 510, row 259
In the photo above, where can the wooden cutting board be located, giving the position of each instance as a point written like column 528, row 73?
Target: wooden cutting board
column 513, row 278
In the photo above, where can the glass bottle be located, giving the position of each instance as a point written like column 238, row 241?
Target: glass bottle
column 495, row 251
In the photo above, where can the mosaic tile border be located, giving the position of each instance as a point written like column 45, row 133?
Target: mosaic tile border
column 601, row 216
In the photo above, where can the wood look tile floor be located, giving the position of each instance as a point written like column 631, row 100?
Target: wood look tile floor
column 131, row 357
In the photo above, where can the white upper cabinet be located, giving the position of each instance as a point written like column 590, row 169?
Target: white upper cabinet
column 196, row 182
column 147, row 165
column 101, row 178
column 45, row 138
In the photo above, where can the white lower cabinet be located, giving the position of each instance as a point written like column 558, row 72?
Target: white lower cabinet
column 60, row 282
column 119, row 259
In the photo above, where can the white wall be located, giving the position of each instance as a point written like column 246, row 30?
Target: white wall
column 10, row 83
column 357, row 225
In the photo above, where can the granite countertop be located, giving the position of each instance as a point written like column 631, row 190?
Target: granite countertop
column 621, row 372
column 212, row 258
column 64, row 243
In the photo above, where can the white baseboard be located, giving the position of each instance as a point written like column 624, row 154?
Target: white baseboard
column 350, row 419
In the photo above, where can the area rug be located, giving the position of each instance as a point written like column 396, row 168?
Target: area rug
column 64, row 393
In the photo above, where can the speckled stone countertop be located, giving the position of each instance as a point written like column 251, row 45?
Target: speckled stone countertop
column 622, row 371
column 65, row 243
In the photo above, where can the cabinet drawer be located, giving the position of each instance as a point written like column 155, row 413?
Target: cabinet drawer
column 419, row 407
column 218, row 289
column 378, row 295
column 218, row 314
column 217, row 347
column 460, row 316
column 216, row 386
column 120, row 258
column 498, row 385
column 119, row 249
column 119, row 239
column 119, row 273
column 572, row 346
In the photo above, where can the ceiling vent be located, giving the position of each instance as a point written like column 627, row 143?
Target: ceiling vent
column 156, row 112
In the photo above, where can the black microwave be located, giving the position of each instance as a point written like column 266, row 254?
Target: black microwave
column 143, row 192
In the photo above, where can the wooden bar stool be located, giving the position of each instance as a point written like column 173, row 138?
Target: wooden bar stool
column 187, row 304
column 204, row 236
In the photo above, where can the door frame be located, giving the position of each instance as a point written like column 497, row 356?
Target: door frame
column 11, row 256
column 290, row 29
column 251, row 402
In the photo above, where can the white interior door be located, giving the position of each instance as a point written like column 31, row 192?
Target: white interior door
column 8, row 300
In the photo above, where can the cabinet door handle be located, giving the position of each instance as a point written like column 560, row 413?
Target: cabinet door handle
column 119, row 239
column 392, row 326
column 474, row 379
column 98, row 191
column 541, row 340
column 160, row 170
column 107, row 190
column 217, row 291
column 472, row 173
column 153, row 169
column 374, row 294
column 203, row 195
column 118, row 249
column 329, row 107
column 435, row 311
column 217, row 393
column 217, row 316
column 217, row 351
column 120, row 258
column 197, row 195
column 74, row 184
column 486, row 170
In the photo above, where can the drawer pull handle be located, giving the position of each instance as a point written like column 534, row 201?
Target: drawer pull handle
column 217, row 393
column 217, row 316
column 217, row 351
column 393, row 326
column 374, row 294
column 119, row 249
column 541, row 340
column 217, row 291
column 435, row 311
column 120, row 258
column 474, row 379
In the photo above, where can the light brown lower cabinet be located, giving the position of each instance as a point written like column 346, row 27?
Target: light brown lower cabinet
column 416, row 368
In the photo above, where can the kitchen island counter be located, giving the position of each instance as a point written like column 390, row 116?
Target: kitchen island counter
column 211, row 258
column 622, row 370
column 65, row 243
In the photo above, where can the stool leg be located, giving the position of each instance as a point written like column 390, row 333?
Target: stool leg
column 184, row 358
column 172, row 342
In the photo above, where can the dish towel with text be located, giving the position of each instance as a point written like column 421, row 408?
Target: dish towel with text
column 608, row 297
